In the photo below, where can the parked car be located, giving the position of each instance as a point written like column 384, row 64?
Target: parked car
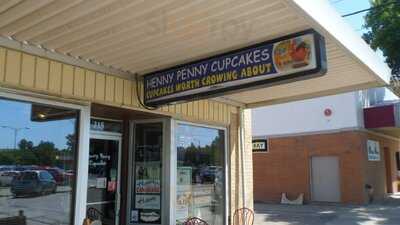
column 208, row 174
column 57, row 174
column 69, row 176
column 6, row 177
column 6, row 168
column 33, row 182
column 24, row 168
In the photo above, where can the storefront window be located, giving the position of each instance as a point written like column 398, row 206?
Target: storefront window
column 37, row 162
column 200, row 174
column 147, row 171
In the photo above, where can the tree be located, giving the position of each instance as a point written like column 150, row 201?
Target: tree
column 27, row 157
column 25, row 145
column 46, row 153
column 6, row 158
column 383, row 23
column 71, row 140
column 26, row 154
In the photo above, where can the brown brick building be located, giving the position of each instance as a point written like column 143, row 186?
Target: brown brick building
column 300, row 164
column 286, row 167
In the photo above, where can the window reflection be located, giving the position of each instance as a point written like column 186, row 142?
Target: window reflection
column 200, row 174
column 37, row 162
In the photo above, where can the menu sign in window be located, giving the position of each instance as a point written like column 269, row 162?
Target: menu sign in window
column 183, row 193
column 148, row 179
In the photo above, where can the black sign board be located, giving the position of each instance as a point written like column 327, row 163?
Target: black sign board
column 293, row 57
column 260, row 145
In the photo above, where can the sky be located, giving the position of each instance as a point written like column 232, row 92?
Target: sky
column 18, row 114
column 199, row 136
column 349, row 6
column 357, row 22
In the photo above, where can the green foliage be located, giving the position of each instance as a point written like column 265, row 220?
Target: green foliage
column 207, row 155
column 46, row 153
column 6, row 158
column 26, row 157
column 383, row 23
column 71, row 141
column 43, row 154
column 25, row 145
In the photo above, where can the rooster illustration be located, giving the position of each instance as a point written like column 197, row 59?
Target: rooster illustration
column 300, row 53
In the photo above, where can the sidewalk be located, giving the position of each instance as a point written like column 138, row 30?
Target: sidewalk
column 384, row 213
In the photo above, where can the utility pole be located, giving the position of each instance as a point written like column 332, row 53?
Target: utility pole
column 16, row 130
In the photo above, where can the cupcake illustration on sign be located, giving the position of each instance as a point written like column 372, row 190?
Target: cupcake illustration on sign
column 292, row 54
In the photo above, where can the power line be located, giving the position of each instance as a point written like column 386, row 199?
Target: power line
column 358, row 12
column 371, row 8
column 337, row 1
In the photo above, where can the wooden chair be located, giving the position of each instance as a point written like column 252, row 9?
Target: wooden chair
column 14, row 220
column 195, row 221
column 243, row 216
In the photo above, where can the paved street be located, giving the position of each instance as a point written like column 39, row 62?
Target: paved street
column 40, row 210
column 386, row 213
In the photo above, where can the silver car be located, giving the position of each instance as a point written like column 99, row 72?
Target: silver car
column 6, row 177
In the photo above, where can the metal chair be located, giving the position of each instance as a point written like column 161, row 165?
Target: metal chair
column 243, row 216
column 93, row 214
column 195, row 221
column 96, row 216
column 14, row 220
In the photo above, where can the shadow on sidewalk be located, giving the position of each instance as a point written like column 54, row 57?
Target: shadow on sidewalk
column 382, row 213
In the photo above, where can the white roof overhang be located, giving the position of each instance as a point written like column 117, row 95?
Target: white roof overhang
column 136, row 37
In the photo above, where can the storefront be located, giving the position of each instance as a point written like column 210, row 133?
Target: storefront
column 81, row 138
column 136, row 161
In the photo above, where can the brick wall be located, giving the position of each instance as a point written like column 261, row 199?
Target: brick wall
column 375, row 172
column 286, row 167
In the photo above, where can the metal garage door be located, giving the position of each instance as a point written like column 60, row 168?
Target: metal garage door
column 325, row 179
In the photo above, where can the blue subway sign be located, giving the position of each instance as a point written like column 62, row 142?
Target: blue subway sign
column 290, row 58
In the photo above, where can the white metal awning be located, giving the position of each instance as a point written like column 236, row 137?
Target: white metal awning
column 139, row 36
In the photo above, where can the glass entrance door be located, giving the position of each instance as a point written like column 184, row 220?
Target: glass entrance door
column 103, row 179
